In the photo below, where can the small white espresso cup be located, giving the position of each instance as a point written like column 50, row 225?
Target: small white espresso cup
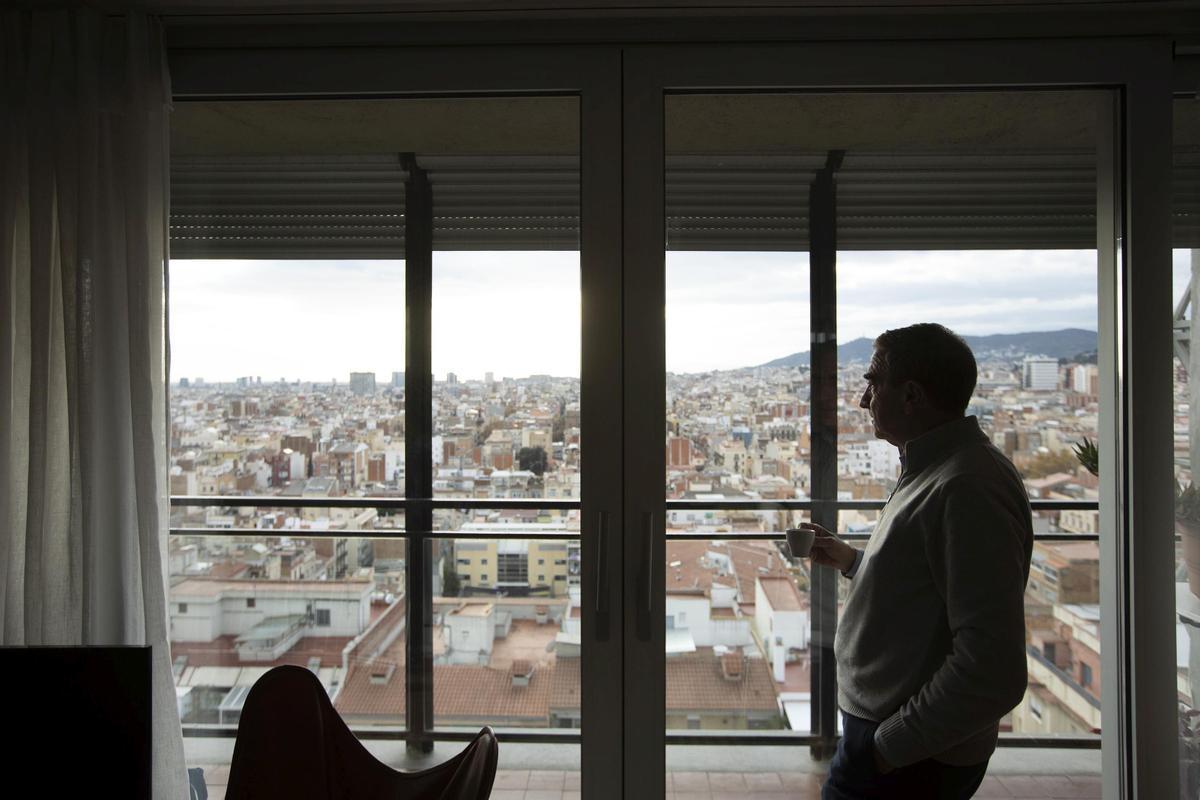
column 800, row 542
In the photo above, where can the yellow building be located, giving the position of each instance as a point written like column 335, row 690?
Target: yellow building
column 516, row 567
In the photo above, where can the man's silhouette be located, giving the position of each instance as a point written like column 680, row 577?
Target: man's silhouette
column 931, row 644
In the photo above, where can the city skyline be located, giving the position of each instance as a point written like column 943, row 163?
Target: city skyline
column 320, row 320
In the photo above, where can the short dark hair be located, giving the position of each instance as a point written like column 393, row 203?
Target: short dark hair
column 933, row 356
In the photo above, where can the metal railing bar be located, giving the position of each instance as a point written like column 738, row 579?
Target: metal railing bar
column 779, row 536
column 749, row 505
column 401, row 533
column 572, row 736
column 542, row 535
column 1050, row 742
column 501, row 504
column 279, row 501
column 374, row 533
column 316, row 533
column 201, row 731
column 844, row 505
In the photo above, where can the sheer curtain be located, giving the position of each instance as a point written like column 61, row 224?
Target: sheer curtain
column 83, row 194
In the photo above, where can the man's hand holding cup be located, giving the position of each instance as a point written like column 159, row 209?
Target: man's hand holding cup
column 813, row 541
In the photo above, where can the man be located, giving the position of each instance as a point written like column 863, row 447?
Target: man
column 931, row 644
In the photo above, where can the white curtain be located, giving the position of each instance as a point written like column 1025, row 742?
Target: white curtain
column 83, row 208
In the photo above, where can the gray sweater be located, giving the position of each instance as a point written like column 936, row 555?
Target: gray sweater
column 931, row 643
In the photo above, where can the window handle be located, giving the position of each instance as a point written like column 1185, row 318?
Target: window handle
column 646, row 593
column 602, row 619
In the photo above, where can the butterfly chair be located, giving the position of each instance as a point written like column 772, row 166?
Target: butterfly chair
column 291, row 744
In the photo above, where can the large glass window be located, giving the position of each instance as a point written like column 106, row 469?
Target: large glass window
column 799, row 227
column 301, row 516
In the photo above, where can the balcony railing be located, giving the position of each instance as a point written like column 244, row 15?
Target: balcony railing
column 555, row 736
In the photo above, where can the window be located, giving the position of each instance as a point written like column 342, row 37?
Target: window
column 322, row 617
column 512, row 567
column 183, row 608
column 1085, row 675
column 760, row 451
column 250, row 602
column 776, row 288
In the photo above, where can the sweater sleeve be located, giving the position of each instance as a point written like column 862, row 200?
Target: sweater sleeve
column 979, row 560
column 853, row 569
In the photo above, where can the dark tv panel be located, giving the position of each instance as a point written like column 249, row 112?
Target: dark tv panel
column 80, row 719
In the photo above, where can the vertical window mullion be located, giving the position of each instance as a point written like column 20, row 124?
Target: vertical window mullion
column 418, row 453
column 822, row 233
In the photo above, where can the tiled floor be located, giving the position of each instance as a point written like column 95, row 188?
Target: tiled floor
column 554, row 785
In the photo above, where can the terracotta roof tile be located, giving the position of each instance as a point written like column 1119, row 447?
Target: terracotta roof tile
column 782, row 594
column 220, row 652
column 565, row 686
column 695, row 683
column 463, row 693
column 686, row 569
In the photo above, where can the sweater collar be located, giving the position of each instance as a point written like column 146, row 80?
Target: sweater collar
column 942, row 440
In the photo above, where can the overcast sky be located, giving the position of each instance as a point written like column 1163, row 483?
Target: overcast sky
column 518, row 313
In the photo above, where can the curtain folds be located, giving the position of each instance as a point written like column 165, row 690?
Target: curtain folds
column 83, row 211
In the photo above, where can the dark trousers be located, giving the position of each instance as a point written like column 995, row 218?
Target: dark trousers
column 853, row 776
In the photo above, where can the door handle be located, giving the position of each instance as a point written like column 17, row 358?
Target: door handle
column 602, row 619
column 646, row 588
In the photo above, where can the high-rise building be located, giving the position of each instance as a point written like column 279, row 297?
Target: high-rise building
column 1085, row 379
column 1040, row 373
column 397, row 380
column 362, row 382
column 451, row 379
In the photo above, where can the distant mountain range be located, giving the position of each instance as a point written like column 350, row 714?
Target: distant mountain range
column 1066, row 343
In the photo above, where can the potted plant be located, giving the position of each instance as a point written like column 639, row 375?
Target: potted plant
column 1088, row 455
column 1187, row 525
column 1189, row 750
column 1187, row 512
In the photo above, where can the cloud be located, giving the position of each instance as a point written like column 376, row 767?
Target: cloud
column 728, row 310
column 519, row 313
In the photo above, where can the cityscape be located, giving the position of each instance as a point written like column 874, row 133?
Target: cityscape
column 320, row 588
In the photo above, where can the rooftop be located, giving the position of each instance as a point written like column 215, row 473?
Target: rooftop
column 782, row 593
column 272, row 627
column 213, row 588
column 472, row 610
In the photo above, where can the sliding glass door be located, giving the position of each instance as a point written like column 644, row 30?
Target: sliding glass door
column 803, row 201
column 394, row 318
column 421, row 284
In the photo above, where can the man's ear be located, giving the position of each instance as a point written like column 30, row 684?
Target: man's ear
column 914, row 396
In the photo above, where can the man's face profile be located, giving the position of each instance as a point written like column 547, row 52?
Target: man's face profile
column 884, row 402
